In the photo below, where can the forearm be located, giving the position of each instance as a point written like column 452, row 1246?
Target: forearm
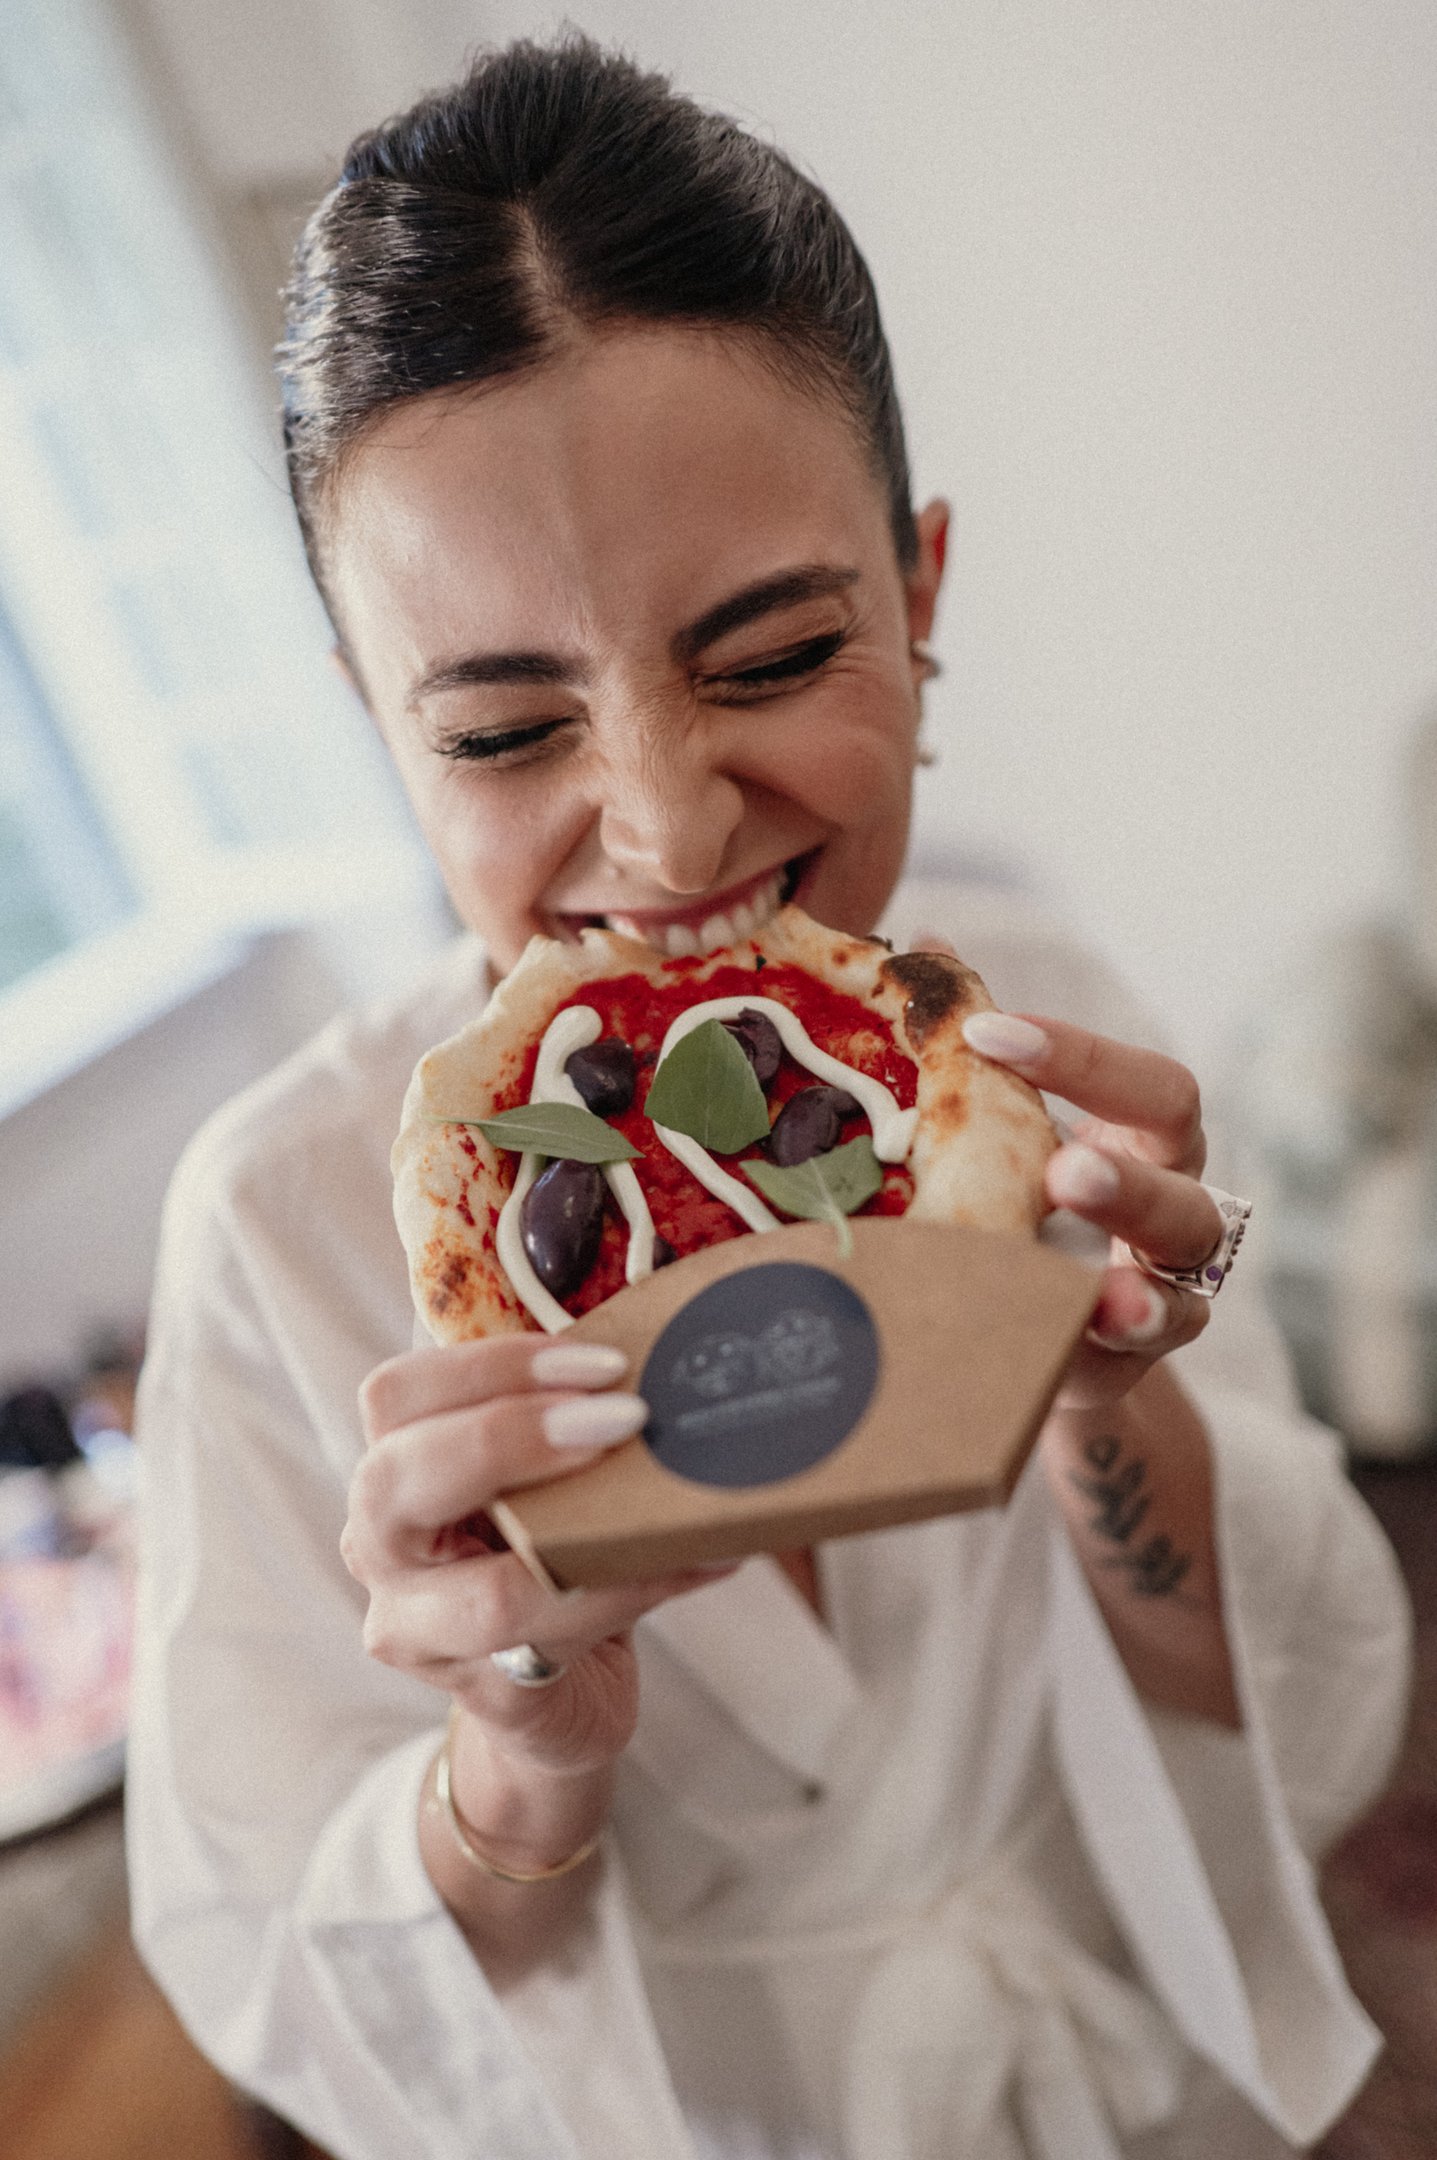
column 522, row 1821
column 1134, row 1482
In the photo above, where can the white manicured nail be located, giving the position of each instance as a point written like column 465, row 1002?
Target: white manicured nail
column 593, row 1420
column 578, row 1364
column 1154, row 1320
column 1005, row 1037
column 1081, row 1177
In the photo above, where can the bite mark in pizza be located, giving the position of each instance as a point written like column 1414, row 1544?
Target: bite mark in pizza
column 870, row 1040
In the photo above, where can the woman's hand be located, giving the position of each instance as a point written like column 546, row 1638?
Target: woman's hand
column 448, row 1430
column 531, row 1768
column 1130, row 1168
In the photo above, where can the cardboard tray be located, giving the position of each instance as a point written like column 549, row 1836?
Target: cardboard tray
column 797, row 1395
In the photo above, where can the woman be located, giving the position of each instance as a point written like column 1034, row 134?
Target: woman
column 987, row 1837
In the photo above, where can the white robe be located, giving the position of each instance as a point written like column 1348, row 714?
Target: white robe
column 931, row 1884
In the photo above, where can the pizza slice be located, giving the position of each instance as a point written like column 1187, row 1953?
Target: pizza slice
column 798, row 1073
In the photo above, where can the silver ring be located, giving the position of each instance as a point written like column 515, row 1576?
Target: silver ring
column 526, row 1666
column 1206, row 1281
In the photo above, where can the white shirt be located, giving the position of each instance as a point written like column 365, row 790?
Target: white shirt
column 930, row 1884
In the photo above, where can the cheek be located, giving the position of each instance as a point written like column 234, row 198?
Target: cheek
column 500, row 845
column 855, row 764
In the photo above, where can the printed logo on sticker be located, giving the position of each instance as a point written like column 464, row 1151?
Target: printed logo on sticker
column 760, row 1376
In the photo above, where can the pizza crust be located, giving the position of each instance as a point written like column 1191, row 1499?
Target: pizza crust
column 982, row 1141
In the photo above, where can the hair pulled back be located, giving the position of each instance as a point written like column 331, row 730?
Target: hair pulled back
column 557, row 186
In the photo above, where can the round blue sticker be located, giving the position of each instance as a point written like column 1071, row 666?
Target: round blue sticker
column 760, row 1376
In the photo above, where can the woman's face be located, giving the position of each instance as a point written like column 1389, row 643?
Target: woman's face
column 633, row 628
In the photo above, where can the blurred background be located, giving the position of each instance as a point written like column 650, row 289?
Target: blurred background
column 1159, row 283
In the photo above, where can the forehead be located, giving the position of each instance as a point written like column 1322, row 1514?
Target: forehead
column 637, row 475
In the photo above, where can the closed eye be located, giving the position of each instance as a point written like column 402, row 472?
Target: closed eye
column 481, row 745
column 805, row 659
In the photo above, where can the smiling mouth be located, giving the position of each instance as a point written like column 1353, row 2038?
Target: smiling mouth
column 708, row 925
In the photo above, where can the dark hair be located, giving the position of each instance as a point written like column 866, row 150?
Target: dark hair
column 554, row 185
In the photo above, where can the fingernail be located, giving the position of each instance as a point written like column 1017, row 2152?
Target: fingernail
column 1151, row 1324
column 578, row 1364
column 1080, row 1177
column 593, row 1421
column 1005, row 1037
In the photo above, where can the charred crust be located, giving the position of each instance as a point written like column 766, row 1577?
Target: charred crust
column 934, row 987
column 448, row 1278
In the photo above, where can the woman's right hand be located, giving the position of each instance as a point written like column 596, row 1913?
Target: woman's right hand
column 447, row 1431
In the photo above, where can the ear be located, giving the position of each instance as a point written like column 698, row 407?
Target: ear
column 922, row 582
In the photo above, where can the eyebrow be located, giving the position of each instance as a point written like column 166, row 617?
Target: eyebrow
column 501, row 668
column 809, row 581
column 787, row 588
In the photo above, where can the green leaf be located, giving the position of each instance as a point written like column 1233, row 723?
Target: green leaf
column 561, row 1130
column 706, row 1088
column 826, row 1188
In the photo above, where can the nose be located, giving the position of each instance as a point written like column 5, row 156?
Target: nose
column 670, row 813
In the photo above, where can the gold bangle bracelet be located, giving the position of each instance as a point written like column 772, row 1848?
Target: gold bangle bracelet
column 464, row 1836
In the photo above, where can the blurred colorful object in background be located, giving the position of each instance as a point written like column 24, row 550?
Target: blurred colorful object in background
column 66, row 1593
column 1340, row 1106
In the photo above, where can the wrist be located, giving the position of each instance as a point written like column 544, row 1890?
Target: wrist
column 526, row 1817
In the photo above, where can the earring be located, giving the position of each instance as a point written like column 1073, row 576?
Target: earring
column 921, row 651
column 925, row 754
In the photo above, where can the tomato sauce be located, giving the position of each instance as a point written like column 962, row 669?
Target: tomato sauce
column 641, row 1013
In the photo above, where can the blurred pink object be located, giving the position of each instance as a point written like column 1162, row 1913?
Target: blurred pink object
column 65, row 1635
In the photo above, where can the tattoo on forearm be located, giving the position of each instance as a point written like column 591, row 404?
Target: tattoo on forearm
column 1120, row 1503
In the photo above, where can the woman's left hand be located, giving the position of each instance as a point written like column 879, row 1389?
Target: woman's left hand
column 1131, row 1168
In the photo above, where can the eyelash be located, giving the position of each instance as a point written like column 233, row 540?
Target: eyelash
column 481, row 747
column 805, row 659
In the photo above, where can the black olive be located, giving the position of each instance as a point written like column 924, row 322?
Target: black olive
column 663, row 1252
column 760, row 1043
column 809, row 1124
column 604, row 1074
column 561, row 1222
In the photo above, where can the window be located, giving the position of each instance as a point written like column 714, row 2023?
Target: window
column 59, row 881
column 178, row 765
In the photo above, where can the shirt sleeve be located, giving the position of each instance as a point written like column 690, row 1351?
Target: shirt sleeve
column 1205, row 1840
column 279, row 1897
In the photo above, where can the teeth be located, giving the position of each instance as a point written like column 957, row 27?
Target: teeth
column 765, row 903
column 715, row 933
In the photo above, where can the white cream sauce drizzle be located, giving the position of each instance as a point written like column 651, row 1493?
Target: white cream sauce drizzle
column 578, row 1026
column 573, row 1029
column 893, row 1127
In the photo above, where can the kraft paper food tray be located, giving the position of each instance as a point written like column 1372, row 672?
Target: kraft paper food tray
column 796, row 1395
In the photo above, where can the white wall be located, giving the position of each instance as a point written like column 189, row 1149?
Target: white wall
column 1159, row 283
column 84, row 1168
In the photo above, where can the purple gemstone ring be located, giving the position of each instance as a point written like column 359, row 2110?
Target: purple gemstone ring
column 1208, row 1277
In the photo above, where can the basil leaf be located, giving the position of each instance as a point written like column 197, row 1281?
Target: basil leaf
column 561, row 1130
column 826, row 1187
column 706, row 1088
